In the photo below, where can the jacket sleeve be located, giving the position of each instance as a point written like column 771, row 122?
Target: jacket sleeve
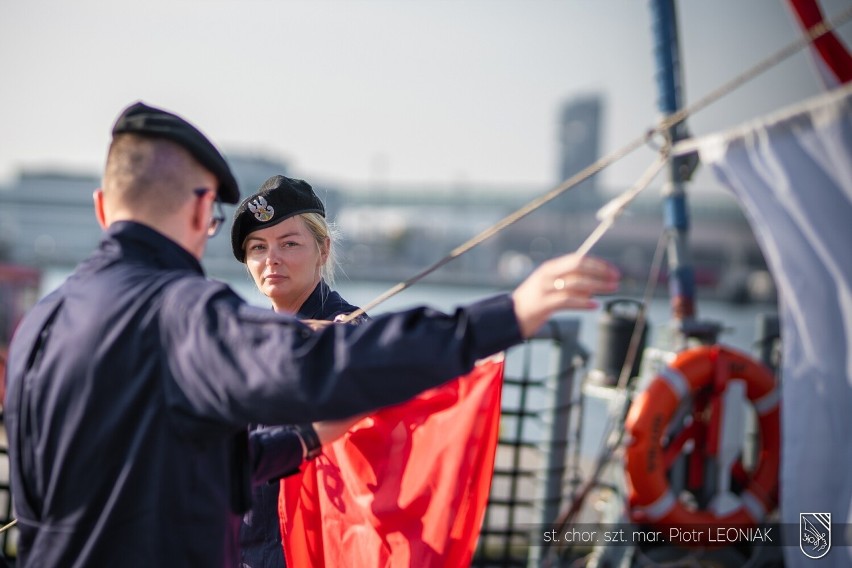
column 275, row 452
column 237, row 364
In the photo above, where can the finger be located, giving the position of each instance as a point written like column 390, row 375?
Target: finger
column 581, row 284
column 316, row 325
column 599, row 268
column 574, row 303
column 593, row 266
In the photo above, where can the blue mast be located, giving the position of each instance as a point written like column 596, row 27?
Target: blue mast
column 675, row 214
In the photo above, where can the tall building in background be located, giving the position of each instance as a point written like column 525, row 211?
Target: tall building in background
column 579, row 146
column 562, row 225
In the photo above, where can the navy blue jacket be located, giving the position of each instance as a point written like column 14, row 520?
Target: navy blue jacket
column 131, row 388
column 276, row 452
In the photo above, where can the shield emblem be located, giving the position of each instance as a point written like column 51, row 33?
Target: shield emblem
column 815, row 534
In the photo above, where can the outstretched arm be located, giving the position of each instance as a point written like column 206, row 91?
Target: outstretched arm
column 272, row 369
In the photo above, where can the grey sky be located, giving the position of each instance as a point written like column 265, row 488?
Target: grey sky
column 403, row 91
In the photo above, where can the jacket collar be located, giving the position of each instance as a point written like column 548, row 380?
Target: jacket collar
column 312, row 308
column 135, row 241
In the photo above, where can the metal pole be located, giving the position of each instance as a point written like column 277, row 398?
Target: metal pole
column 676, row 216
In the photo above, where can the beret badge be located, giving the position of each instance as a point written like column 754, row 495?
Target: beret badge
column 262, row 211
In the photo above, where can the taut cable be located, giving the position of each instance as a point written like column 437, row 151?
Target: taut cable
column 662, row 128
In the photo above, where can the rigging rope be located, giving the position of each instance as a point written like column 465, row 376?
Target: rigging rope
column 517, row 215
column 662, row 128
column 812, row 34
column 612, row 210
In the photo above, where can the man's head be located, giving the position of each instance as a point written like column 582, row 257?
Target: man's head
column 157, row 165
column 149, row 122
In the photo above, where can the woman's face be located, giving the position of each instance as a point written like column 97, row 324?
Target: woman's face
column 285, row 262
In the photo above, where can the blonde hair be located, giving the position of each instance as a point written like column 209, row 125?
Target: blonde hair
column 322, row 230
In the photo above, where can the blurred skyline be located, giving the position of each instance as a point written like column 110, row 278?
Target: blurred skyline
column 379, row 92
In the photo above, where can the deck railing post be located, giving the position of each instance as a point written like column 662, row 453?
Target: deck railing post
column 557, row 418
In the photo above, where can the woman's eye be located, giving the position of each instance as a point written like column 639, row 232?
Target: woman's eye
column 255, row 248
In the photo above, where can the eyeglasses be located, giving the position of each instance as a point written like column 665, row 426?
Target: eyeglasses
column 218, row 218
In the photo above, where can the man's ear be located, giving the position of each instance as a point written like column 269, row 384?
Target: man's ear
column 98, row 198
column 201, row 211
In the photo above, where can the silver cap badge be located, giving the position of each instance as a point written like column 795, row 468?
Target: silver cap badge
column 262, row 211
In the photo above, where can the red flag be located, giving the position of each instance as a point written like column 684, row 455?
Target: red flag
column 835, row 62
column 406, row 486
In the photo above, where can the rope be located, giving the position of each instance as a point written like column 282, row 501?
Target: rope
column 517, row 215
column 612, row 210
column 812, row 34
column 663, row 127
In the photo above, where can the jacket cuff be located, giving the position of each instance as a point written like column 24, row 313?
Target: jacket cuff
column 276, row 452
column 494, row 325
column 311, row 445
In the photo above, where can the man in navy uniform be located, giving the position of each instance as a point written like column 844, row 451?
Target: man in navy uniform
column 131, row 386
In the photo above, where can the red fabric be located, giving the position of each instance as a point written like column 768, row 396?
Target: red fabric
column 831, row 50
column 406, row 486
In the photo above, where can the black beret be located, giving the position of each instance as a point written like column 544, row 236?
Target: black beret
column 279, row 198
column 148, row 121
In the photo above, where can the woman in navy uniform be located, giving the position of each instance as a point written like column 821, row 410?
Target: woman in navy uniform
column 281, row 234
column 132, row 385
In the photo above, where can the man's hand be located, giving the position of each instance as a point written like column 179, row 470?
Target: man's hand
column 563, row 283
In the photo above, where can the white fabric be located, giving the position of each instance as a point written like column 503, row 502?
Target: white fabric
column 793, row 176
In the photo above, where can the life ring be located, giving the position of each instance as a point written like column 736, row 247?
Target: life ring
column 651, row 500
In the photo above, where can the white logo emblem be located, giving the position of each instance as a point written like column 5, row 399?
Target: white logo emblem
column 262, row 211
column 815, row 534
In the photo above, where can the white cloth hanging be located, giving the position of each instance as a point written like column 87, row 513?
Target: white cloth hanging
column 793, row 176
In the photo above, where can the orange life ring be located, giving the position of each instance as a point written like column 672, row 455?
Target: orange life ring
column 651, row 500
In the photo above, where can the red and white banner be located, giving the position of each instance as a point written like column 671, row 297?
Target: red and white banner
column 405, row 487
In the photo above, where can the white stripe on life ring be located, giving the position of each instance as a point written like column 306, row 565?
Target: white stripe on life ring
column 753, row 506
column 659, row 508
column 767, row 403
column 675, row 380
